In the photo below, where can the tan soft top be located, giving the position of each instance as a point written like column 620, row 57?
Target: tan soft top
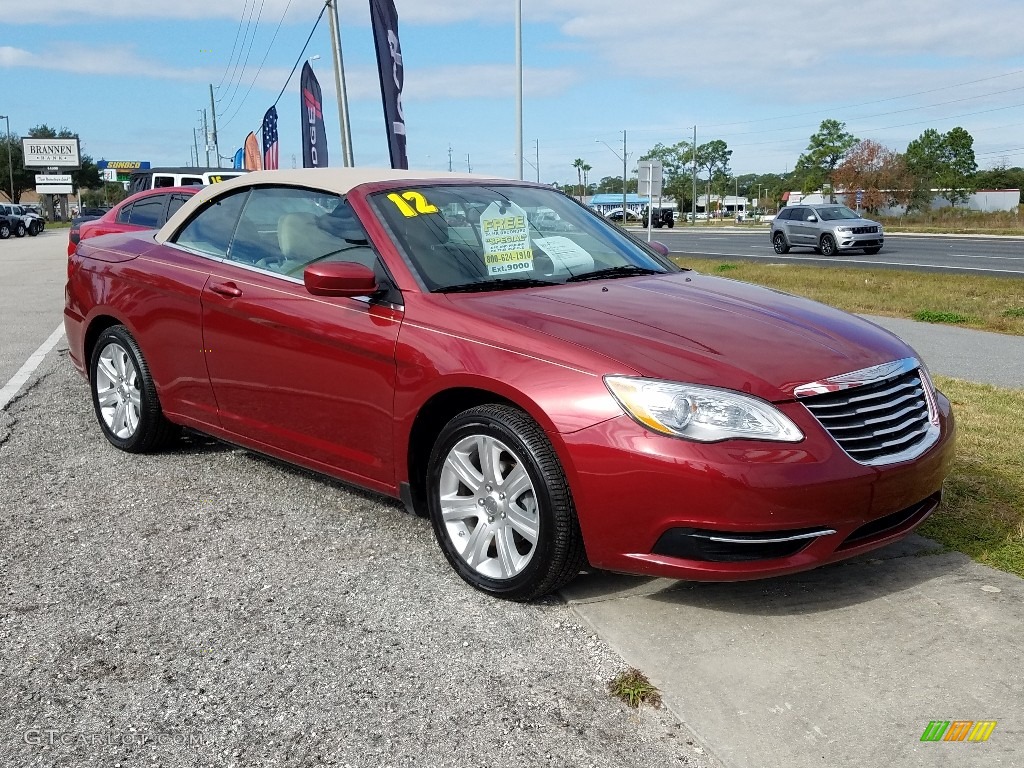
column 334, row 180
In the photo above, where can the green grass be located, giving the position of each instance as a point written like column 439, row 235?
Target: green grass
column 931, row 316
column 633, row 688
column 982, row 513
column 985, row 303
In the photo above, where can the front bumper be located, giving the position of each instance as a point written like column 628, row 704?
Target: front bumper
column 847, row 241
column 736, row 510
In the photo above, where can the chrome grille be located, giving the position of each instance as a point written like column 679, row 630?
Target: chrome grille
column 864, row 230
column 878, row 422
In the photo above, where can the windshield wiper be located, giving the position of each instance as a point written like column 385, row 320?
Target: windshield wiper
column 494, row 285
column 627, row 270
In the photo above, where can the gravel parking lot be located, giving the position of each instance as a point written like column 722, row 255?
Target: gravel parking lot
column 210, row 607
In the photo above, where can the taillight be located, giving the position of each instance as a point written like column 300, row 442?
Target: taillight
column 74, row 235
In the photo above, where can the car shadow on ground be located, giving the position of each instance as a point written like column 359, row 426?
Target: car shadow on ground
column 896, row 568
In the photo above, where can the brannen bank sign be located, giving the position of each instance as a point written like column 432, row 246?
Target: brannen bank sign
column 51, row 153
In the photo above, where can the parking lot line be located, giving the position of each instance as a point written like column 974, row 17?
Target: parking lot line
column 17, row 381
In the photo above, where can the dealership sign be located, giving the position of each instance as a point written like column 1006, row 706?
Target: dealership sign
column 51, row 153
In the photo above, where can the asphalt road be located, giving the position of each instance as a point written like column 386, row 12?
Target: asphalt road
column 995, row 256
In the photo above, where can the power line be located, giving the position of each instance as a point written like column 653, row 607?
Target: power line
column 248, row 51
column 260, row 68
column 234, row 44
column 302, row 54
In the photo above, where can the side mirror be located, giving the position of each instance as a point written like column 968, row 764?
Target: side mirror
column 812, row 217
column 340, row 278
column 659, row 247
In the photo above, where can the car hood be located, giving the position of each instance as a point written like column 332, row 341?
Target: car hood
column 697, row 329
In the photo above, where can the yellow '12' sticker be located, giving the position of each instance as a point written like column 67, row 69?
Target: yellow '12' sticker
column 419, row 203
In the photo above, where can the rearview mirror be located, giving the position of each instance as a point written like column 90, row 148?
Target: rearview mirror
column 340, row 278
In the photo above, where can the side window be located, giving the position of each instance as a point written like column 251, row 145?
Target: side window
column 148, row 211
column 284, row 229
column 210, row 231
column 124, row 214
column 163, row 181
column 191, row 181
column 177, row 200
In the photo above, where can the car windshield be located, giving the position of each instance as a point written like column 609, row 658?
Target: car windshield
column 834, row 213
column 483, row 237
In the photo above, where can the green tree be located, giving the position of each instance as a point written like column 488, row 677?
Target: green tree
column 23, row 178
column 578, row 164
column 944, row 162
column 677, row 181
column 714, row 158
column 825, row 150
column 957, row 175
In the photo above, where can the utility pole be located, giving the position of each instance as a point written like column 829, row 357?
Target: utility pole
column 469, row 165
column 449, row 158
column 339, row 84
column 213, row 115
column 206, row 139
column 536, row 147
column 195, row 140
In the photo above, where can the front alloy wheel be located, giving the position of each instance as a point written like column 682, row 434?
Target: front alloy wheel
column 5, row 230
column 779, row 243
column 500, row 504
column 828, row 245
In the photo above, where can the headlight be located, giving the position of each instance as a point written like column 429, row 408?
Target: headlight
column 704, row 414
column 844, row 229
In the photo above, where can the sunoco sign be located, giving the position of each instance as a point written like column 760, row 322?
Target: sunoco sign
column 51, row 153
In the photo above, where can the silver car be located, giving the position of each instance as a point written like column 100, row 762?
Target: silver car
column 827, row 229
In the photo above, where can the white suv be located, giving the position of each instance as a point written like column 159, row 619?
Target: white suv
column 827, row 229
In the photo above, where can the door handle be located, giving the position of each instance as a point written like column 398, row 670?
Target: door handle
column 228, row 290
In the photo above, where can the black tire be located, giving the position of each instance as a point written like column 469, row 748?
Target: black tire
column 19, row 229
column 872, row 250
column 779, row 243
column 671, row 224
column 34, row 228
column 118, row 373
column 5, row 230
column 827, row 246
column 555, row 557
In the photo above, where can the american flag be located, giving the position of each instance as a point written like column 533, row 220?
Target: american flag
column 270, row 145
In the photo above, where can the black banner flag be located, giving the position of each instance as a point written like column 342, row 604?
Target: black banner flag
column 392, row 76
column 314, row 135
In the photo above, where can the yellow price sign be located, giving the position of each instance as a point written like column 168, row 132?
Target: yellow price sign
column 420, row 204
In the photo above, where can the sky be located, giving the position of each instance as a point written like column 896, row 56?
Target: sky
column 132, row 77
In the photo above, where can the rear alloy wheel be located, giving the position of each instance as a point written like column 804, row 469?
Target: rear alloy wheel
column 124, row 395
column 827, row 247
column 872, row 250
column 779, row 243
column 19, row 229
column 500, row 504
column 5, row 230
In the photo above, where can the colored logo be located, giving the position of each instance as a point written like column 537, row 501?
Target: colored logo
column 958, row 730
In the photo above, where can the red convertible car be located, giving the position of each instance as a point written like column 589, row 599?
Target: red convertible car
column 549, row 398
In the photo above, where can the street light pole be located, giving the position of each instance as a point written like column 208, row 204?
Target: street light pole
column 519, row 88
column 10, row 162
column 623, row 159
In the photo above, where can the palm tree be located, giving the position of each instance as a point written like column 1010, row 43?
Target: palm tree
column 587, row 168
column 578, row 165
